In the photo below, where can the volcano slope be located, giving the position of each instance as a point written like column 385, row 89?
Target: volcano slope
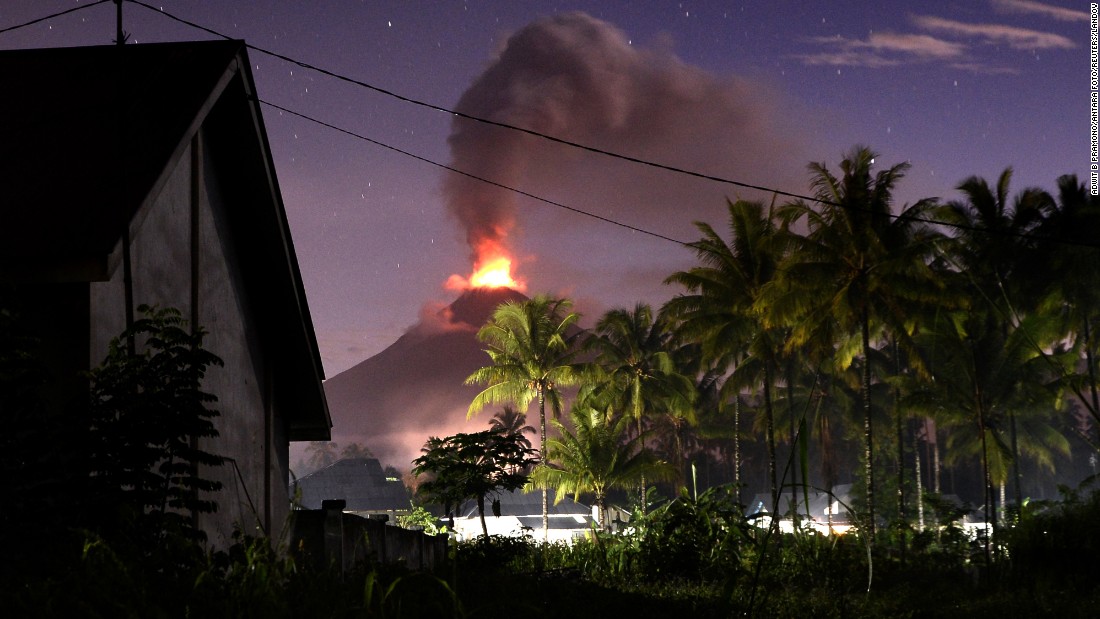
column 393, row 401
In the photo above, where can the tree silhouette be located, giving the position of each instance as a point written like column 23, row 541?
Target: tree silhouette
column 638, row 373
column 471, row 466
column 508, row 419
column 722, row 311
column 321, row 454
column 596, row 456
column 858, row 271
column 148, row 412
column 532, row 359
column 355, row 450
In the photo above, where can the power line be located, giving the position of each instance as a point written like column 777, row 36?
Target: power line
column 49, row 17
column 604, row 152
column 478, row 119
column 469, row 175
column 592, row 149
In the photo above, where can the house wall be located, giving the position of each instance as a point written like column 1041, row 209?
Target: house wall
column 183, row 255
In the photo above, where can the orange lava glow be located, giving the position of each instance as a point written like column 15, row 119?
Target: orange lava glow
column 495, row 274
column 492, row 273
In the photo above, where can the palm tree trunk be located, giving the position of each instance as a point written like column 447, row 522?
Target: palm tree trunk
column 769, row 432
column 987, row 480
column 868, row 436
column 636, row 396
column 1016, row 477
column 481, row 514
column 1090, row 366
column 642, row 486
column 790, row 414
column 1004, row 500
column 937, row 467
column 737, row 445
column 828, row 472
column 899, row 421
column 920, row 487
column 542, row 460
column 678, row 447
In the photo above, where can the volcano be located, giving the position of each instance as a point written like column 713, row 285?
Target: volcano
column 393, row 401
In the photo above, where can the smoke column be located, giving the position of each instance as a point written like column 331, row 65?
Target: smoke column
column 580, row 79
column 577, row 78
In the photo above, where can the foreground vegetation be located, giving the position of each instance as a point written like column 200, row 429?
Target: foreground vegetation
column 702, row 557
column 865, row 343
column 698, row 556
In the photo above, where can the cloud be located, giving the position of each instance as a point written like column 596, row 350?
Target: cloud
column 920, row 45
column 892, row 49
column 1018, row 38
column 437, row 317
column 1029, row 6
column 580, row 79
column 978, row 68
column 883, row 50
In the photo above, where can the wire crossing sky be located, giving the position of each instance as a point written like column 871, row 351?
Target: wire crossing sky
column 749, row 92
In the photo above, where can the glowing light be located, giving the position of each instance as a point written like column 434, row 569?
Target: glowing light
column 495, row 274
column 492, row 273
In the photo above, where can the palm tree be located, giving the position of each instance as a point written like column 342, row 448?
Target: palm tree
column 321, row 454
column 639, row 374
column 355, row 450
column 992, row 237
column 859, row 269
column 991, row 253
column 720, row 309
column 1070, row 233
column 719, row 421
column 508, row 420
column 596, row 456
column 985, row 379
column 532, row 360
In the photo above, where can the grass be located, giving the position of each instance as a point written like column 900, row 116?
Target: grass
column 694, row 560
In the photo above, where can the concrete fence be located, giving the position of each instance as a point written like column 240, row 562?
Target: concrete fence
column 328, row 536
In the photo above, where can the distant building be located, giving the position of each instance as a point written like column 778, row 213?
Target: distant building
column 521, row 514
column 825, row 513
column 141, row 174
column 359, row 482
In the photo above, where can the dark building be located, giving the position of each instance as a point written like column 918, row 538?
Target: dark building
column 359, row 482
column 141, row 174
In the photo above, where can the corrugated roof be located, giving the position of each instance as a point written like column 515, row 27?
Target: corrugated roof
column 359, row 481
column 526, row 504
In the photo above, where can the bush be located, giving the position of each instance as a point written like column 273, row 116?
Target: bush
column 495, row 553
column 1055, row 545
column 694, row 538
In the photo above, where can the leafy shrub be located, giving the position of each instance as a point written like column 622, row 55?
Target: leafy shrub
column 694, row 538
column 422, row 518
column 1056, row 544
column 147, row 411
column 494, row 553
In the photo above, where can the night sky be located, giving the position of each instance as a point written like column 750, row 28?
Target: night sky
column 747, row 91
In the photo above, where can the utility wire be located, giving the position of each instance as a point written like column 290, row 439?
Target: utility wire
column 49, row 17
column 469, row 175
column 592, row 149
column 486, row 121
column 607, row 153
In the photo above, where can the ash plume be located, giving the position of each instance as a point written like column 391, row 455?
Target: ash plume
column 577, row 78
